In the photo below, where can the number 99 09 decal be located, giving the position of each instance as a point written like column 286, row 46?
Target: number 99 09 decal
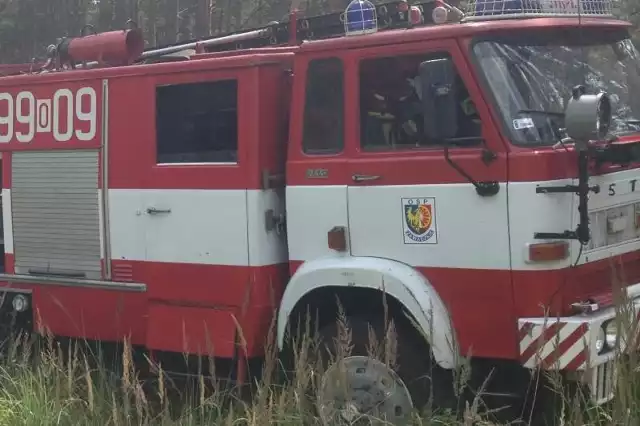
column 65, row 115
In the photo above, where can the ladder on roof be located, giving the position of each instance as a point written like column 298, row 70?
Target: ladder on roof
column 390, row 15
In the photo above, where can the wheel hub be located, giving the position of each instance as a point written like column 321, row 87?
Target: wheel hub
column 363, row 390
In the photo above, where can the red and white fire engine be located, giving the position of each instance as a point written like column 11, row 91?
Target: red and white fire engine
column 479, row 169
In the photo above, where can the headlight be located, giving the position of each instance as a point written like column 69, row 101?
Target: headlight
column 20, row 303
column 600, row 341
column 610, row 334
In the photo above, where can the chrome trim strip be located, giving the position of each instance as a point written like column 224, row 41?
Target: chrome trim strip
column 73, row 282
column 106, row 229
column 15, row 290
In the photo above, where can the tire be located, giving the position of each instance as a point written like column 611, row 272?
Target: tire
column 413, row 372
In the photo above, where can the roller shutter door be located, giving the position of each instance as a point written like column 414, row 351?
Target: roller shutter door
column 55, row 208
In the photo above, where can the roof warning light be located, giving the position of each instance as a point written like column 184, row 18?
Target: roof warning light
column 360, row 18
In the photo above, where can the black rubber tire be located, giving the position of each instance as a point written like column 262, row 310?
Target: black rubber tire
column 426, row 382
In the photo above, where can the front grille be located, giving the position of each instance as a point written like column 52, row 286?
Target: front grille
column 603, row 382
column 614, row 225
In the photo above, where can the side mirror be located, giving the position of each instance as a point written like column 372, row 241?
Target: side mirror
column 587, row 117
column 439, row 103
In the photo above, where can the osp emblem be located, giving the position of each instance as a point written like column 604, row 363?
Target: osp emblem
column 419, row 224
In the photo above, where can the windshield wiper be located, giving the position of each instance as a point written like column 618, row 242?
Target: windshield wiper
column 631, row 121
column 632, row 126
column 621, row 154
column 540, row 111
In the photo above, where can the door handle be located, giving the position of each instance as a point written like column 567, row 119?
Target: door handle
column 364, row 178
column 153, row 210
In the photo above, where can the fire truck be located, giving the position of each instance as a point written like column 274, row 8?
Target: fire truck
column 471, row 175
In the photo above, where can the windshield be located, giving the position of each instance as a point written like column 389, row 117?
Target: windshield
column 531, row 76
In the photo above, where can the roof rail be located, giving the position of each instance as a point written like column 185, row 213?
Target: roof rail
column 16, row 69
column 294, row 30
column 123, row 47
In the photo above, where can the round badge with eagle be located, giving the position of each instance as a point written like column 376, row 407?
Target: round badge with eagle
column 419, row 220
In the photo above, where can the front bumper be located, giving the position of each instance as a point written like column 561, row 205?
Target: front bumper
column 568, row 344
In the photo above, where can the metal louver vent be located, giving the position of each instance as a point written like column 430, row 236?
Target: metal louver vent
column 55, row 208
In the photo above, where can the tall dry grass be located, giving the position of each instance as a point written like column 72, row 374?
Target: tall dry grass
column 43, row 382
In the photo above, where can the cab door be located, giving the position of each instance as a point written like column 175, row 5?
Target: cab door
column 407, row 203
column 317, row 170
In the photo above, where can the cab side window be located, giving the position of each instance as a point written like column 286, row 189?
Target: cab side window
column 323, row 111
column 391, row 115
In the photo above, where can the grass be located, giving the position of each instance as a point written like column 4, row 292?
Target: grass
column 43, row 382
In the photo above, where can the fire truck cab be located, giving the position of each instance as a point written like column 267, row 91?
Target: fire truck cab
column 470, row 176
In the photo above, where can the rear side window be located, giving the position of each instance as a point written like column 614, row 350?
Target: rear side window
column 197, row 122
column 323, row 110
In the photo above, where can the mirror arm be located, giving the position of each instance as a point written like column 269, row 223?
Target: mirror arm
column 484, row 189
column 582, row 231
column 582, row 189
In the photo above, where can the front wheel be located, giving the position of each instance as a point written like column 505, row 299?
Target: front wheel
column 375, row 373
column 359, row 388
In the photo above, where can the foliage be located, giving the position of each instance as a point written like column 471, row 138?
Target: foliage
column 27, row 27
column 43, row 382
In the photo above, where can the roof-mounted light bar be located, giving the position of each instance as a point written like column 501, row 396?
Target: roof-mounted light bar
column 480, row 10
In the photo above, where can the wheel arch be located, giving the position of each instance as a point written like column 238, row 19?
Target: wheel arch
column 405, row 286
